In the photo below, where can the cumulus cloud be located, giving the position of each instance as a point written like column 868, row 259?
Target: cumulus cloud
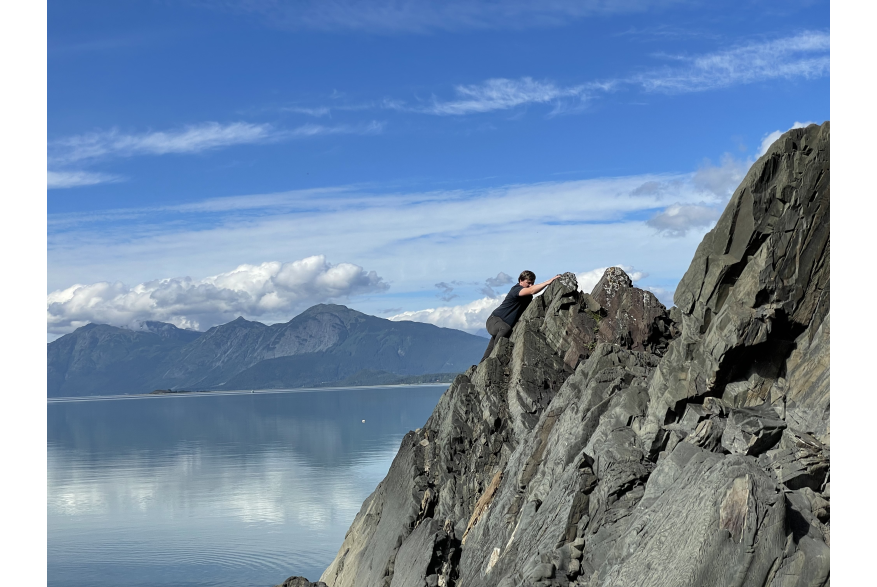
column 272, row 289
column 665, row 296
column 472, row 316
column 72, row 179
column 588, row 280
column 469, row 317
column 771, row 137
column 384, row 232
column 805, row 55
column 678, row 219
column 500, row 280
column 717, row 182
column 721, row 180
column 649, row 188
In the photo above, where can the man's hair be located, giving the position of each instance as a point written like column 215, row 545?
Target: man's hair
column 527, row 275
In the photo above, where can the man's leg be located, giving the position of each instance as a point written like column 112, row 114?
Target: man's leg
column 496, row 327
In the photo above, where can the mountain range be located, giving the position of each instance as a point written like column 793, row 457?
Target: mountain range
column 325, row 345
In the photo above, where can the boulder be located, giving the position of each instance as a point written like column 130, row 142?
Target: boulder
column 300, row 582
column 751, row 431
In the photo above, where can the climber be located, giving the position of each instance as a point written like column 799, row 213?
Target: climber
column 502, row 320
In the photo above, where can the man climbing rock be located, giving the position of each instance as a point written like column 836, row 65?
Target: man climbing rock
column 502, row 320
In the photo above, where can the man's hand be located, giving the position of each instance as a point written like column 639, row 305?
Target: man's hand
column 534, row 289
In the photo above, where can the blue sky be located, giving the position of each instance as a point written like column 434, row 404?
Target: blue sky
column 214, row 159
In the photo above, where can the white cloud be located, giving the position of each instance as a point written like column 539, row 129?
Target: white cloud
column 412, row 240
column 190, row 139
column 469, row 317
column 472, row 316
column 588, row 280
column 502, row 94
column 678, row 219
column 315, row 112
column 500, row 280
column 805, row 55
column 716, row 182
column 802, row 56
column 272, row 289
column 413, row 16
column 721, row 180
column 665, row 296
column 771, row 137
column 70, row 179
column 311, row 130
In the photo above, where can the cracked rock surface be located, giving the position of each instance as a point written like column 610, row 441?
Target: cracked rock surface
column 611, row 442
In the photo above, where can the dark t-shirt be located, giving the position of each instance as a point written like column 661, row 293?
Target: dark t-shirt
column 512, row 306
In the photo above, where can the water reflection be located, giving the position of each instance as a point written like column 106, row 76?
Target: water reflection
column 216, row 490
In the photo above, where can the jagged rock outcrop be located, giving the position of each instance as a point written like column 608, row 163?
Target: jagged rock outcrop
column 607, row 444
column 757, row 290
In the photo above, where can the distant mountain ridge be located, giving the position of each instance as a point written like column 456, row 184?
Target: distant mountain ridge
column 325, row 344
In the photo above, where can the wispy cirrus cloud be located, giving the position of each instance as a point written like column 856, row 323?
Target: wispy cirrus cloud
column 412, row 16
column 805, row 55
column 72, row 179
column 317, row 112
column 311, row 130
column 189, row 139
column 503, row 94
column 81, row 149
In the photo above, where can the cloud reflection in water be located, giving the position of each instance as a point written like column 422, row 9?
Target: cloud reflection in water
column 211, row 489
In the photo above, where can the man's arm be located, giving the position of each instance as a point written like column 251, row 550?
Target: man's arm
column 534, row 289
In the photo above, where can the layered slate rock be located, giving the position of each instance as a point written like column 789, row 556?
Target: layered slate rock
column 757, row 290
column 610, row 442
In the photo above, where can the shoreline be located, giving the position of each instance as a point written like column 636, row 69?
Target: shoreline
column 153, row 395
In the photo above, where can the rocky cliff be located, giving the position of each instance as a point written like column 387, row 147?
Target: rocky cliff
column 610, row 442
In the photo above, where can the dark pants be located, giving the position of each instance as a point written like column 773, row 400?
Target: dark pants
column 496, row 327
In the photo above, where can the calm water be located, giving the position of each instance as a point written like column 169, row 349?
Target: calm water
column 216, row 489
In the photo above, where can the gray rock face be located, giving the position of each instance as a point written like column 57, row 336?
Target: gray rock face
column 609, row 442
column 758, row 289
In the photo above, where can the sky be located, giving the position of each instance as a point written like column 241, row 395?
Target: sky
column 214, row 159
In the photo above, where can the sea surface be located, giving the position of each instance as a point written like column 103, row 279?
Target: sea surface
column 214, row 489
